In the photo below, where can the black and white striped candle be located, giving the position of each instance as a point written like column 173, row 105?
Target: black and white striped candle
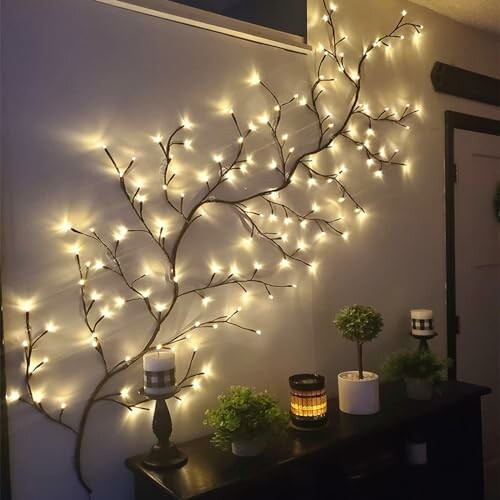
column 422, row 322
column 159, row 373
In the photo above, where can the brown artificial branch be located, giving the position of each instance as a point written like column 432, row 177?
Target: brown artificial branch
column 326, row 134
column 28, row 347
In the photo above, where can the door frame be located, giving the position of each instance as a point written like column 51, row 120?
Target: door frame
column 456, row 121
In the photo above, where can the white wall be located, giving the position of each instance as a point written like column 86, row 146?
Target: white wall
column 79, row 73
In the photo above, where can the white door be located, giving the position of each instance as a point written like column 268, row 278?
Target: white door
column 477, row 249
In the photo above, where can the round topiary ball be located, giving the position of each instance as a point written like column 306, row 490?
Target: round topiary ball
column 359, row 323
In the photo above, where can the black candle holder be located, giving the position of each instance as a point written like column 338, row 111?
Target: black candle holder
column 308, row 401
column 423, row 345
column 164, row 454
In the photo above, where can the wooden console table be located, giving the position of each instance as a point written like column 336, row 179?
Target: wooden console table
column 355, row 457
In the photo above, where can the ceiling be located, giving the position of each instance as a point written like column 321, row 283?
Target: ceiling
column 482, row 14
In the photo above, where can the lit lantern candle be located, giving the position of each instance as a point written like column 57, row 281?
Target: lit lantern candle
column 422, row 323
column 159, row 374
column 308, row 401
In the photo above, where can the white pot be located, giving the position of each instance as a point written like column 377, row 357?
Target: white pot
column 359, row 396
column 418, row 389
column 247, row 447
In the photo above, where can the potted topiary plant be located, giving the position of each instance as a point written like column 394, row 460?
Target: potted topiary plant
column 359, row 390
column 420, row 370
column 245, row 420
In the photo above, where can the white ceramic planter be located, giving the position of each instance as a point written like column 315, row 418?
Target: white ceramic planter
column 248, row 448
column 359, row 396
column 418, row 389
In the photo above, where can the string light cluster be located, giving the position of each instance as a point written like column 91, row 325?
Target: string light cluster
column 260, row 212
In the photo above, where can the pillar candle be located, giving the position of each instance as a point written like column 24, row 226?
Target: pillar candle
column 159, row 373
column 422, row 322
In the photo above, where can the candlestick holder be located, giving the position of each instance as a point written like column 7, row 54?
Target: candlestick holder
column 164, row 454
column 423, row 345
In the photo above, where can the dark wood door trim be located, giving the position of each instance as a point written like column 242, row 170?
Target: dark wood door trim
column 454, row 121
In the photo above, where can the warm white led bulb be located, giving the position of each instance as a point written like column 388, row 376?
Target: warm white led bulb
column 50, row 327
column 263, row 118
column 13, row 396
column 65, row 226
column 284, row 263
column 122, row 231
column 254, row 78
column 186, row 123
column 106, row 312
column 75, row 249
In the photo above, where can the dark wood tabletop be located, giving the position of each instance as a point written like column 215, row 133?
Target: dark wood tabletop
column 211, row 470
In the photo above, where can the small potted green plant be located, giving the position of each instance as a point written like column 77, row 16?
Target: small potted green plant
column 359, row 390
column 421, row 370
column 245, row 420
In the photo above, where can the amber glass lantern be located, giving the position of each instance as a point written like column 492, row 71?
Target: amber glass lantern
column 308, row 401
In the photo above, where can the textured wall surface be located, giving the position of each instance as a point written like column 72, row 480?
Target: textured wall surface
column 76, row 74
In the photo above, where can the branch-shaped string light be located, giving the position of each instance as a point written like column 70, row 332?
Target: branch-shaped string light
column 255, row 210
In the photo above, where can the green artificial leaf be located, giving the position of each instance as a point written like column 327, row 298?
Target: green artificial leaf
column 244, row 413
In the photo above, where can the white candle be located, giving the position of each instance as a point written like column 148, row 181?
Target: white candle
column 159, row 373
column 422, row 322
